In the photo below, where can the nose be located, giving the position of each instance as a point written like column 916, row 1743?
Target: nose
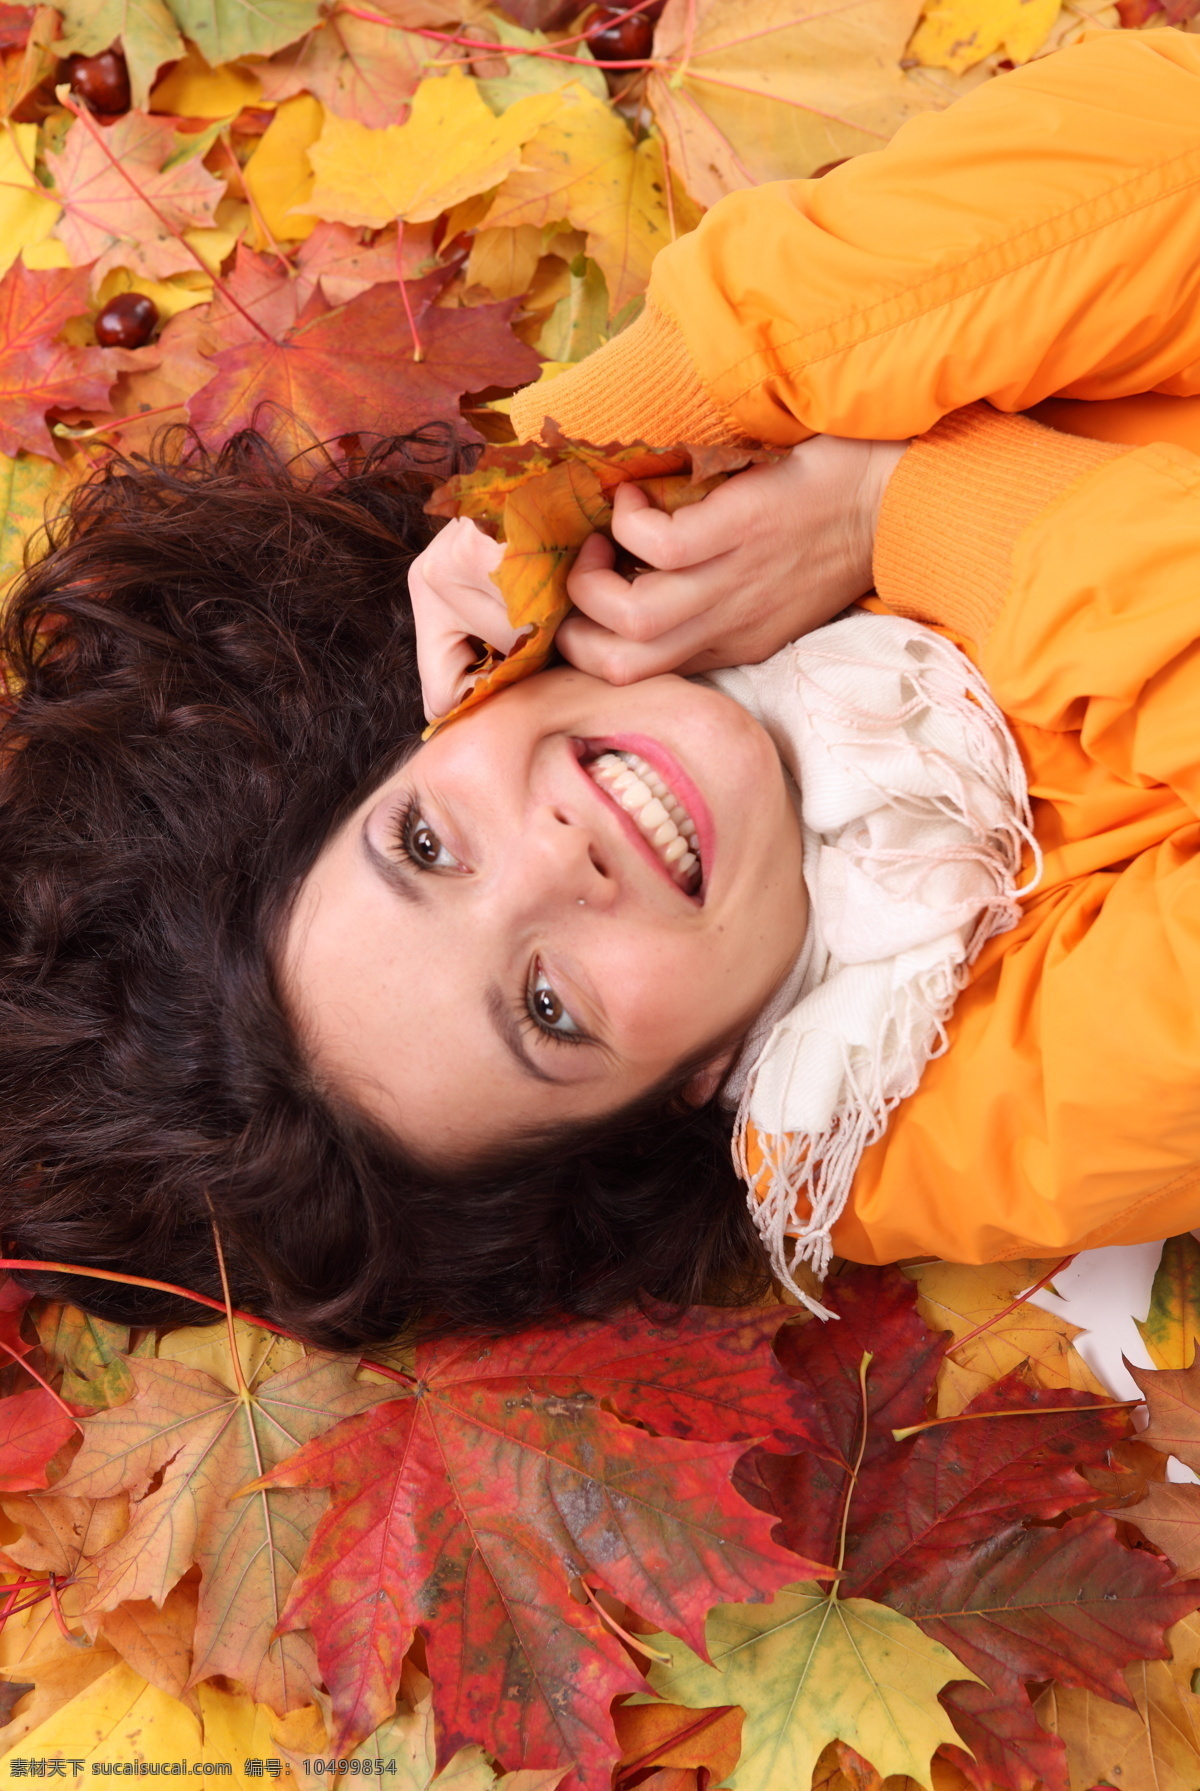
column 559, row 862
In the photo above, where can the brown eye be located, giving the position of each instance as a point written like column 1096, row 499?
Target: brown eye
column 547, row 1006
column 426, row 844
column 547, row 1011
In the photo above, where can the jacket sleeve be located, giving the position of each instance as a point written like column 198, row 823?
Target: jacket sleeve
column 1036, row 238
column 1066, row 1112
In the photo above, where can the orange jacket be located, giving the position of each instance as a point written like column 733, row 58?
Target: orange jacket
column 1039, row 238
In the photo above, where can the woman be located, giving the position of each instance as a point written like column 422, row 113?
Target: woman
column 212, row 739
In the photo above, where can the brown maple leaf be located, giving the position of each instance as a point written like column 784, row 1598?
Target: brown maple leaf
column 180, row 1447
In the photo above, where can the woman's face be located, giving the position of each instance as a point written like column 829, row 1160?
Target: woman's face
column 492, row 943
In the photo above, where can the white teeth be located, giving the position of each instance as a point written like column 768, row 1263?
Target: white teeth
column 660, row 818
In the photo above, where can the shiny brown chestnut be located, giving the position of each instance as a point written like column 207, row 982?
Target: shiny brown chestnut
column 101, row 82
column 126, row 321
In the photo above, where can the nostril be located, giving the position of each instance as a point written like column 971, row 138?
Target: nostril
column 598, row 863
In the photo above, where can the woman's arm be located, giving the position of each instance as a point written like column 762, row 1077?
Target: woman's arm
column 1037, row 237
column 1065, row 1112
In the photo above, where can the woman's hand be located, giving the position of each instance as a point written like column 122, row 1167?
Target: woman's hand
column 769, row 555
column 455, row 604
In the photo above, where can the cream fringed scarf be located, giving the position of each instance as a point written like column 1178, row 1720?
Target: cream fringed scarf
column 915, row 816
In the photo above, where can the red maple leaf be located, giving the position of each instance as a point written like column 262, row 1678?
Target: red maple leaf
column 951, row 1525
column 37, row 371
column 353, row 369
column 33, row 1428
column 470, row 1504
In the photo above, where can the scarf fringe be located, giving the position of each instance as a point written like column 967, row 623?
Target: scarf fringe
column 818, row 1169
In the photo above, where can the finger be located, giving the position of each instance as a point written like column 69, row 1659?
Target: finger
column 703, row 531
column 652, row 605
column 605, row 655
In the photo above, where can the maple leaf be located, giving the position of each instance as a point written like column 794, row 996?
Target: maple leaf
column 223, row 30
column 467, row 1505
column 739, row 102
column 194, row 1439
column 145, row 29
column 30, row 486
column 451, row 147
column 37, row 371
column 937, row 1519
column 89, row 1352
column 1154, row 1742
column 356, row 67
column 671, row 1735
column 27, row 211
column 584, row 166
column 353, row 369
column 528, row 73
column 995, row 1331
column 33, row 1428
column 344, row 262
column 812, row 1666
column 956, row 34
column 277, row 178
column 1172, row 1325
column 543, row 504
column 122, row 206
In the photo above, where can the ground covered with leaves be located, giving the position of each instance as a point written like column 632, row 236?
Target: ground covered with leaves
column 918, row 1544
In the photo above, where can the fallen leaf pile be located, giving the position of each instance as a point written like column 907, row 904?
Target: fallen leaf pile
column 743, row 1545
column 918, row 1544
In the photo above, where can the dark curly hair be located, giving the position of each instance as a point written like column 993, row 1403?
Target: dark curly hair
column 212, row 664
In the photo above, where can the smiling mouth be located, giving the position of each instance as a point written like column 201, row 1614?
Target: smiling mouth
column 655, row 811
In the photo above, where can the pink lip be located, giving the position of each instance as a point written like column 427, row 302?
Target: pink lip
column 680, row 786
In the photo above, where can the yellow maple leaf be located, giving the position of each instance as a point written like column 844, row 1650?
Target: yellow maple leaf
column 279, row 181
column 741, row 100
column 974, row 1305
column 809, row 1667
column 956, row 34
column 27, row 211
column 30, row 486
column 451, row 147
column 504, row 260
column 191, row 89
column 1157, row 1743
column 584, row 166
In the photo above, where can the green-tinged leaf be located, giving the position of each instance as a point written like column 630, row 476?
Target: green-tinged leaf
column 148, row 35
column 29, row 486
column 1172, row 1325
column 223, row 30
column 90, row 1351
column 809, row 1669
column 536, row 74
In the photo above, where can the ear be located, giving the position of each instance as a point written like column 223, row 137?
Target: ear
column 703, row 1085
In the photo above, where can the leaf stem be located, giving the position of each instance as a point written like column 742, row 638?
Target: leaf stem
column 230, row 1333
column 418, row 350
column 865, row 1363
column 705, row 1720
column 1021, row 1411
column 631, row 1641
column 184, row 1293
column 1012, row 1305
column 9, row 1351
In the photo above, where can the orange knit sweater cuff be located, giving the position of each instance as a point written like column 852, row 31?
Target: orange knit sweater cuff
column 955, row 505
column 640, row 387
